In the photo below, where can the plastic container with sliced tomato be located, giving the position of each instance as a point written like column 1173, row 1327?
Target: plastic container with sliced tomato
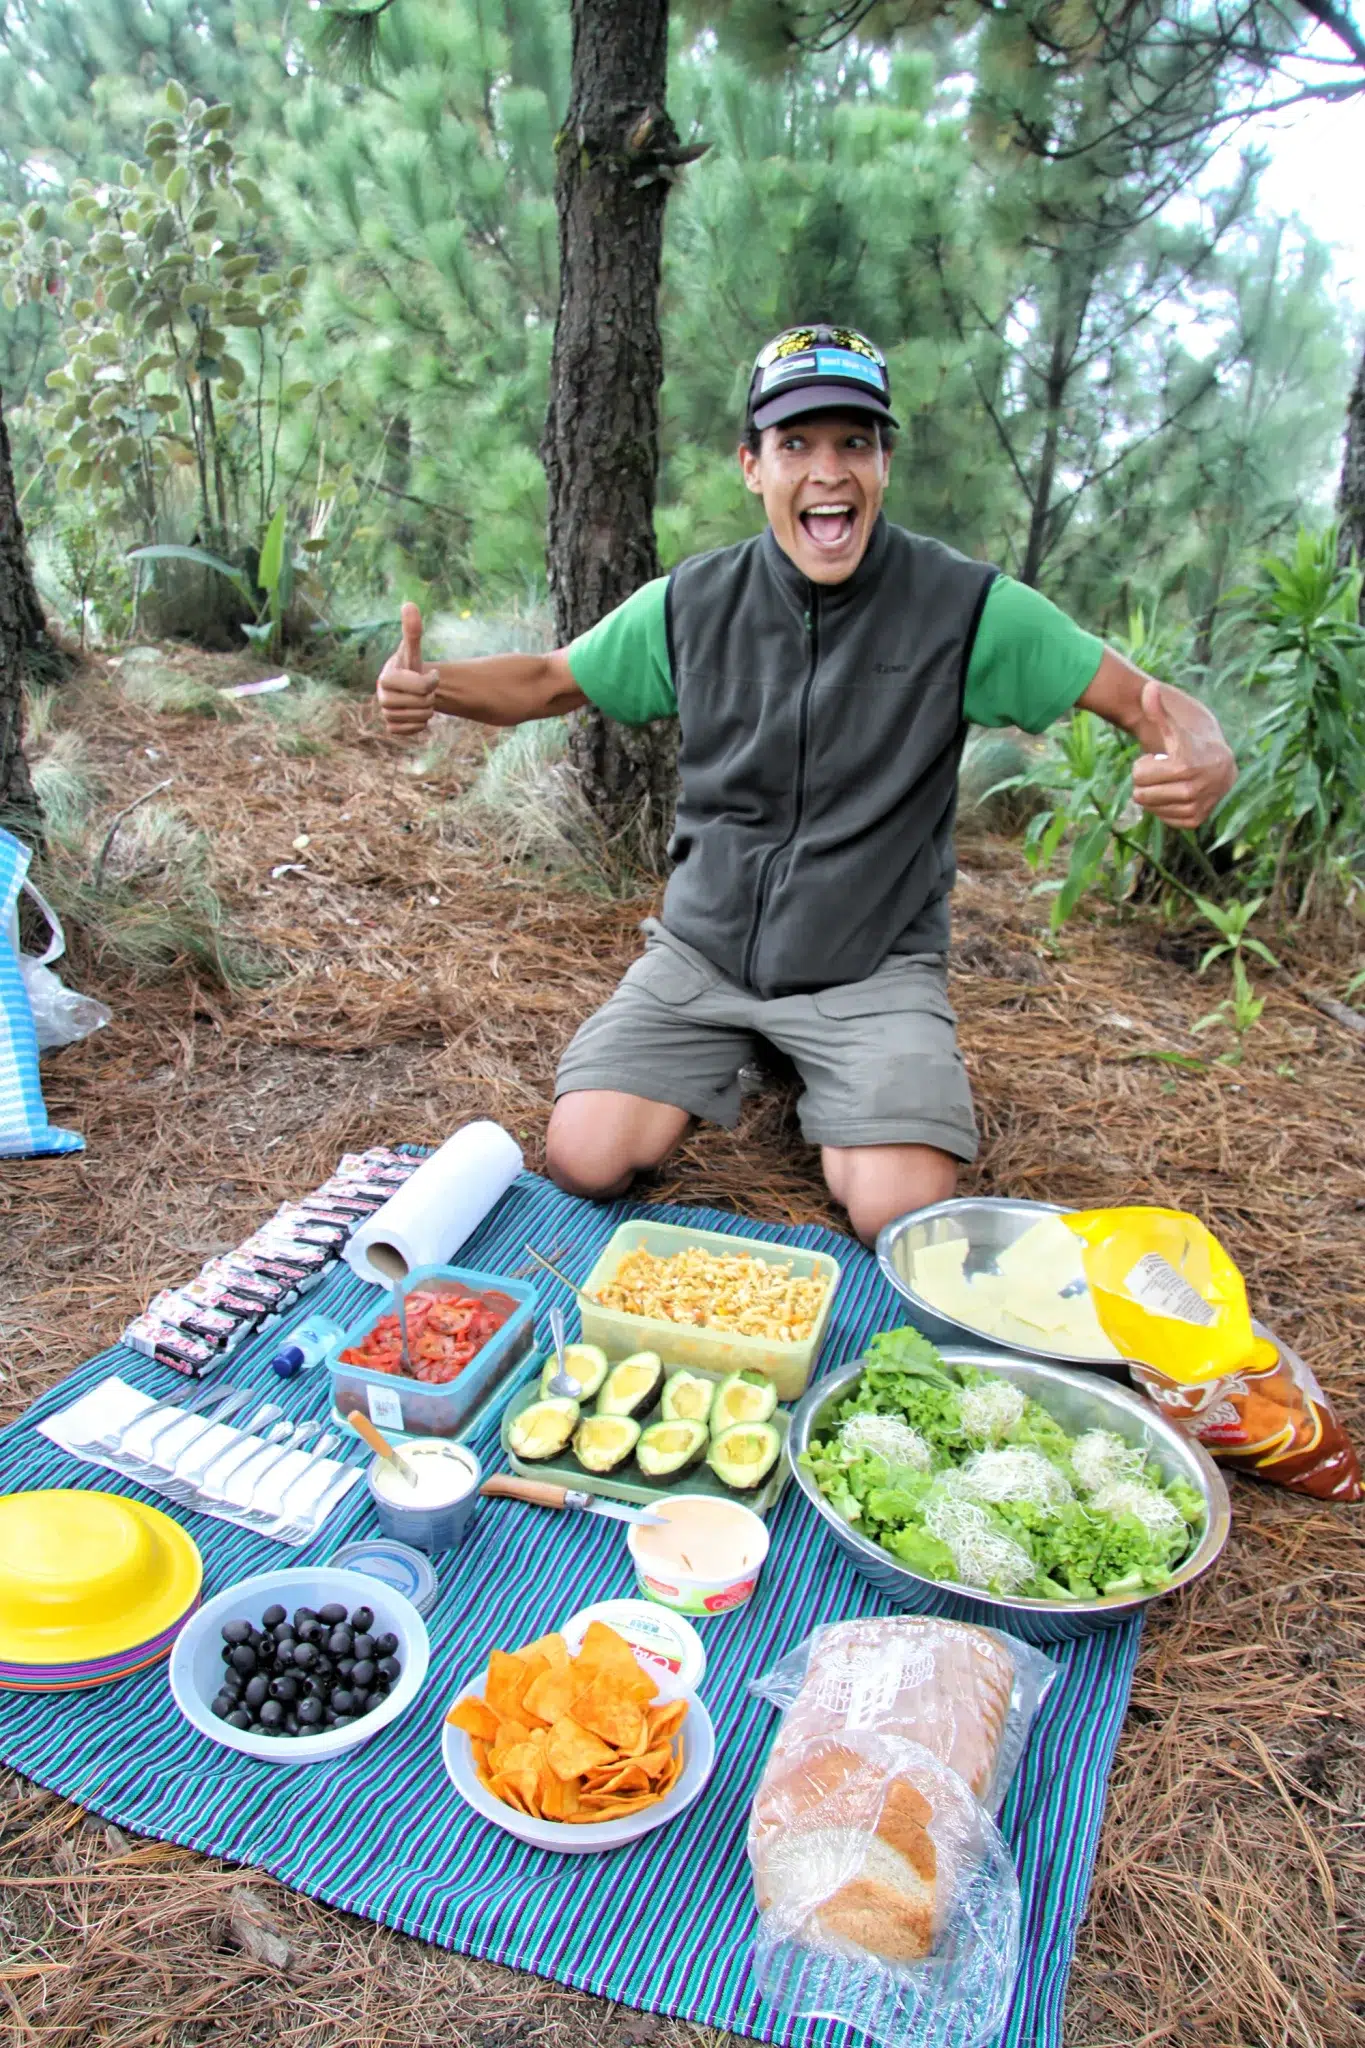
column 467, row 1332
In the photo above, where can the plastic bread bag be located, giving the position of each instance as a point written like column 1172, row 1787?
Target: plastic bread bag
column 886, row 1895
column 1174, row 1303
column 966, row 1694
column 885, row 1891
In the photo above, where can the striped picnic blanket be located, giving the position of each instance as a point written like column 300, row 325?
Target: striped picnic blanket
column 440, row 1872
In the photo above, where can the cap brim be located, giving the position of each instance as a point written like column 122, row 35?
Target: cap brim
column 808, row 399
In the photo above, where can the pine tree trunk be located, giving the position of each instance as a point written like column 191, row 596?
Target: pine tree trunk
column 1351, row 496
column 616, row 159
column 23, row 634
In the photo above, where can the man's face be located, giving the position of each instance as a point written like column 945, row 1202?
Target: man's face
column 822, row 480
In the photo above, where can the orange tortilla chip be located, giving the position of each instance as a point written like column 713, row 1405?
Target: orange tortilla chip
column 550, row 1697
column 630, row 1778
column 604, row 1652
column 572, row 1749
column 504, row 1685
column 615, row 1809
column 655, row 1761
column 476, row 1719
column 552, row 1648
column 664, row 1720
column 610, row 1713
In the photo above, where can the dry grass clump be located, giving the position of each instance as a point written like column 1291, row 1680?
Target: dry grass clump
column 426, row 978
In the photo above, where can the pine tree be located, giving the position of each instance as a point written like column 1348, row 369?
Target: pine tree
column 24, row 644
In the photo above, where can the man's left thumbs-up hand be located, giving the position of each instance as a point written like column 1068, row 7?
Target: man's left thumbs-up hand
column 1188, row 767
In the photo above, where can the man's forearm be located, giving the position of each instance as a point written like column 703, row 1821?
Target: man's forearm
column 507, row 689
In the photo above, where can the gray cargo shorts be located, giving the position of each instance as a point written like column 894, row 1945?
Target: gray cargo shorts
column 878, row 1059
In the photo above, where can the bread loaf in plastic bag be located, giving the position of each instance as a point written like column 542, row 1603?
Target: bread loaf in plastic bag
column 886, row 1894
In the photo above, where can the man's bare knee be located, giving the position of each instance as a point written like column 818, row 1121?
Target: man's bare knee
column 878, row 1183
column 599, row 1140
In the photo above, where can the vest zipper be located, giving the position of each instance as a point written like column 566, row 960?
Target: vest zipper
column 775, row 853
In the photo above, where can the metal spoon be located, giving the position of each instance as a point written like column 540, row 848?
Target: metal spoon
column 563, row 1384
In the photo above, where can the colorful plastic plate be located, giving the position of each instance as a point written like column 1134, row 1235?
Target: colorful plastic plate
column 88, row 1578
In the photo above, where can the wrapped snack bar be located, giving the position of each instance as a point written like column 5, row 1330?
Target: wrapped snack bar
column 886, row 1894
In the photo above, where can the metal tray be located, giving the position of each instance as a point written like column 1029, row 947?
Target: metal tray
column 631, row 1485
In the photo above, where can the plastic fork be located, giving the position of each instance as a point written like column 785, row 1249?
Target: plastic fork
column 308, row 1520
column 217, row 1490
column 111, row 1440
column 242, row 1443
column 302, row 1431
column 267, row 1517
column 220, row 1403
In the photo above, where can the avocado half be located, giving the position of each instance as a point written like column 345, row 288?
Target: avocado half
column 542, row 1430
column 744, row 1455
column 630, row 1387
column 744, row 1397
column 602, row 1442
column 586, row 1364
column 687, row 1397
column 667, row 1448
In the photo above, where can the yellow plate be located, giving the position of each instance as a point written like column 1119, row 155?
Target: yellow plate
column 87, row 1575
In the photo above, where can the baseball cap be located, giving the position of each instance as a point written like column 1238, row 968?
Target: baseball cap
column 818, row 369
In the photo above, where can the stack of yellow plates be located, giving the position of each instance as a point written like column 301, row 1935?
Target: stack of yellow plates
column 92, row 1586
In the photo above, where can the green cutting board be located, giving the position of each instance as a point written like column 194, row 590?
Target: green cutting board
column 629, row 1483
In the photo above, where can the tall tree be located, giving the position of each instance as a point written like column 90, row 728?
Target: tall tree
column 1351, row 496
column 618, row 154
column 23, row 642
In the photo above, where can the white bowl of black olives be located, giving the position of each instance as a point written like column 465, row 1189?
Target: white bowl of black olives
column 297, row 1666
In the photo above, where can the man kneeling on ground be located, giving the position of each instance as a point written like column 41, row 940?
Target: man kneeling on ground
column 823, row 676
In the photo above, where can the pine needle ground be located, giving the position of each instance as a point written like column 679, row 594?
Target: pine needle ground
column 418, row 981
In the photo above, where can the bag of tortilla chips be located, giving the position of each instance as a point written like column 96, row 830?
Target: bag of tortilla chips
column 1171, row 1299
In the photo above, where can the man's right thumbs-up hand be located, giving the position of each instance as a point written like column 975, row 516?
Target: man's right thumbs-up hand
column 406, row 688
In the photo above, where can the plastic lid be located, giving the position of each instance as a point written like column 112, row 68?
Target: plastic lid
column 396, row 1565
column 658, row 1637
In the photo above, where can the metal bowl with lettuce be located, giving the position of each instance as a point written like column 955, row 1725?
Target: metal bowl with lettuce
column 1025, row 1495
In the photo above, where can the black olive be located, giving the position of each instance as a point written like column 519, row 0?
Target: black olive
column 272, row 1714
column 302, row 1614
column 319, row 1688
column 310, row 1631
column 385, row 1646
column 363, row 1618
column 222, row 1706
column 272, row 1617
column 373, row 1700
column 238, row 1718
column 256, row 1690
column 390, row 1668
column 345, row 1666
column 286, row 1688
column 363, row 1673
column 235, row 1632
column 342, row 1700
column 291, row 1724
column 342, row 1720
column 310, row 1713
column 362, row 1645
column 332, row 1613
column 304, row 1655
column 329, row 1719
column 339, row 1642
column 244, row 1659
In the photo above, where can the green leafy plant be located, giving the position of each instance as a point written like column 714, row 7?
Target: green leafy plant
column 1242, row 1009
column 1296, row 819
column 169, row 268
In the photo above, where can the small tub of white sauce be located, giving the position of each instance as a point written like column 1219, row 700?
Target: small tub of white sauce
column 436, row 1513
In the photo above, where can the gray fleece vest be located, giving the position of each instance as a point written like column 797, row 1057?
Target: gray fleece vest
column 821, row 727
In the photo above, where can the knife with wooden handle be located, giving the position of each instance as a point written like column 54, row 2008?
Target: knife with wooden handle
column 543, row 1493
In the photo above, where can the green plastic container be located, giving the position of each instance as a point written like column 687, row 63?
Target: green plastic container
column 713, row 1352
column 628, row 1482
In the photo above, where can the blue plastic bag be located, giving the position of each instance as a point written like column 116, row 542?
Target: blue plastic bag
column 24, row 1128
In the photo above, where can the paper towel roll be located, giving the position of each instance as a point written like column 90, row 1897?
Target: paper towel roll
column 444, row 1203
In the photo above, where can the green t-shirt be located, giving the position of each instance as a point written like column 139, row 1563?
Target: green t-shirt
column 1029, row 663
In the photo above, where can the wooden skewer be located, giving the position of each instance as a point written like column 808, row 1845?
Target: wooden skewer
column 380, row 1445
column 563, row 1278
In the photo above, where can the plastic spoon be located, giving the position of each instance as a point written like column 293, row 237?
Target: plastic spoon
column 380, row 1445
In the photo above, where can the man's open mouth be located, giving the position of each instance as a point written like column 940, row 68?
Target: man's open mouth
column 829, row 526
